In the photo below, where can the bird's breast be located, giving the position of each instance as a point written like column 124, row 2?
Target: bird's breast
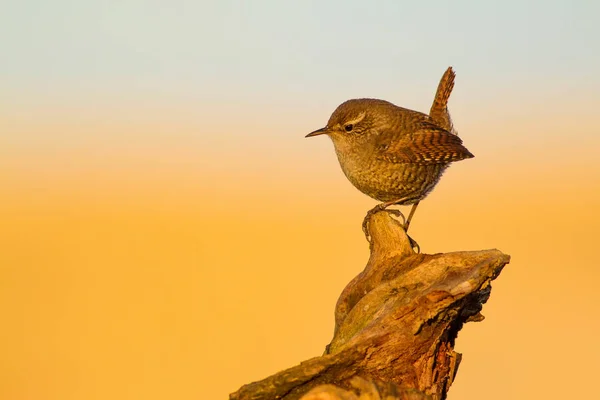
column 386, row 181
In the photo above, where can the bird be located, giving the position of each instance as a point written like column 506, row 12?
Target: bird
column 393, row 154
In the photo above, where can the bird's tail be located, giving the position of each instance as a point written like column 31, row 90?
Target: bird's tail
column 439, row 108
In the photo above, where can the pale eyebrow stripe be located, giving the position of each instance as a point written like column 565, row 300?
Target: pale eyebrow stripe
column 360, row 117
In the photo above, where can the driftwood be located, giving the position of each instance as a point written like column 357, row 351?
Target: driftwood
column 396, row 323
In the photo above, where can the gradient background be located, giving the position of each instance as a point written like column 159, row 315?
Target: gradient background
column 167, row 231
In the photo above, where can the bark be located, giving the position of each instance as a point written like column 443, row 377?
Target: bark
column 396, row 324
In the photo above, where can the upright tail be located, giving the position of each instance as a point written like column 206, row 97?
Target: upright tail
column 439, row 108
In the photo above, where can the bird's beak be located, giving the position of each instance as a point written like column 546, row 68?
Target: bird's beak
column 317, row 132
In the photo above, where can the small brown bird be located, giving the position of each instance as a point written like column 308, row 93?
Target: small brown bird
column 393, row 154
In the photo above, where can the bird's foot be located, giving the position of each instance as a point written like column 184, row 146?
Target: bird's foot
column 365, row 224
column 414, row 245
column 382, row 207
column 397, row 213
column 375, row 210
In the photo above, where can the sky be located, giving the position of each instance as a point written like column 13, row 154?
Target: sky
column 168, row 231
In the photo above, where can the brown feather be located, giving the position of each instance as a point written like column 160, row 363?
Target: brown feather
column 429, row 144
column 439, row 108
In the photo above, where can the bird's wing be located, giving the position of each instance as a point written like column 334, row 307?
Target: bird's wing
column 428, row 144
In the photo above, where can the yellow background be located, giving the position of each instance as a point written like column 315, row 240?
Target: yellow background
column 159, row 245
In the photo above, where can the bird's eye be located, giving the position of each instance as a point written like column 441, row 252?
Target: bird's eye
column 348, row 128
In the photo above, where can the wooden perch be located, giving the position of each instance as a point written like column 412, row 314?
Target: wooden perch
column 395, row 325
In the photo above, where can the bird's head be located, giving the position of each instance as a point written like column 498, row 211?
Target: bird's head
column 354, row 120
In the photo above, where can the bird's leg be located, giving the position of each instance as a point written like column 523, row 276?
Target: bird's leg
column 410, row 215
column 413, row 243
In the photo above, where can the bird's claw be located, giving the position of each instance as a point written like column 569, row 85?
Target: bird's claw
column 365, row 225
column 414, row 245
column 374, row 210
column 398, row 213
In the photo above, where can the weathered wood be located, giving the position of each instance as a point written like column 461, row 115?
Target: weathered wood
column 396, row 323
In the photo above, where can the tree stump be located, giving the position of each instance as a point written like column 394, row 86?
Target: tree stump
column 395, row 325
